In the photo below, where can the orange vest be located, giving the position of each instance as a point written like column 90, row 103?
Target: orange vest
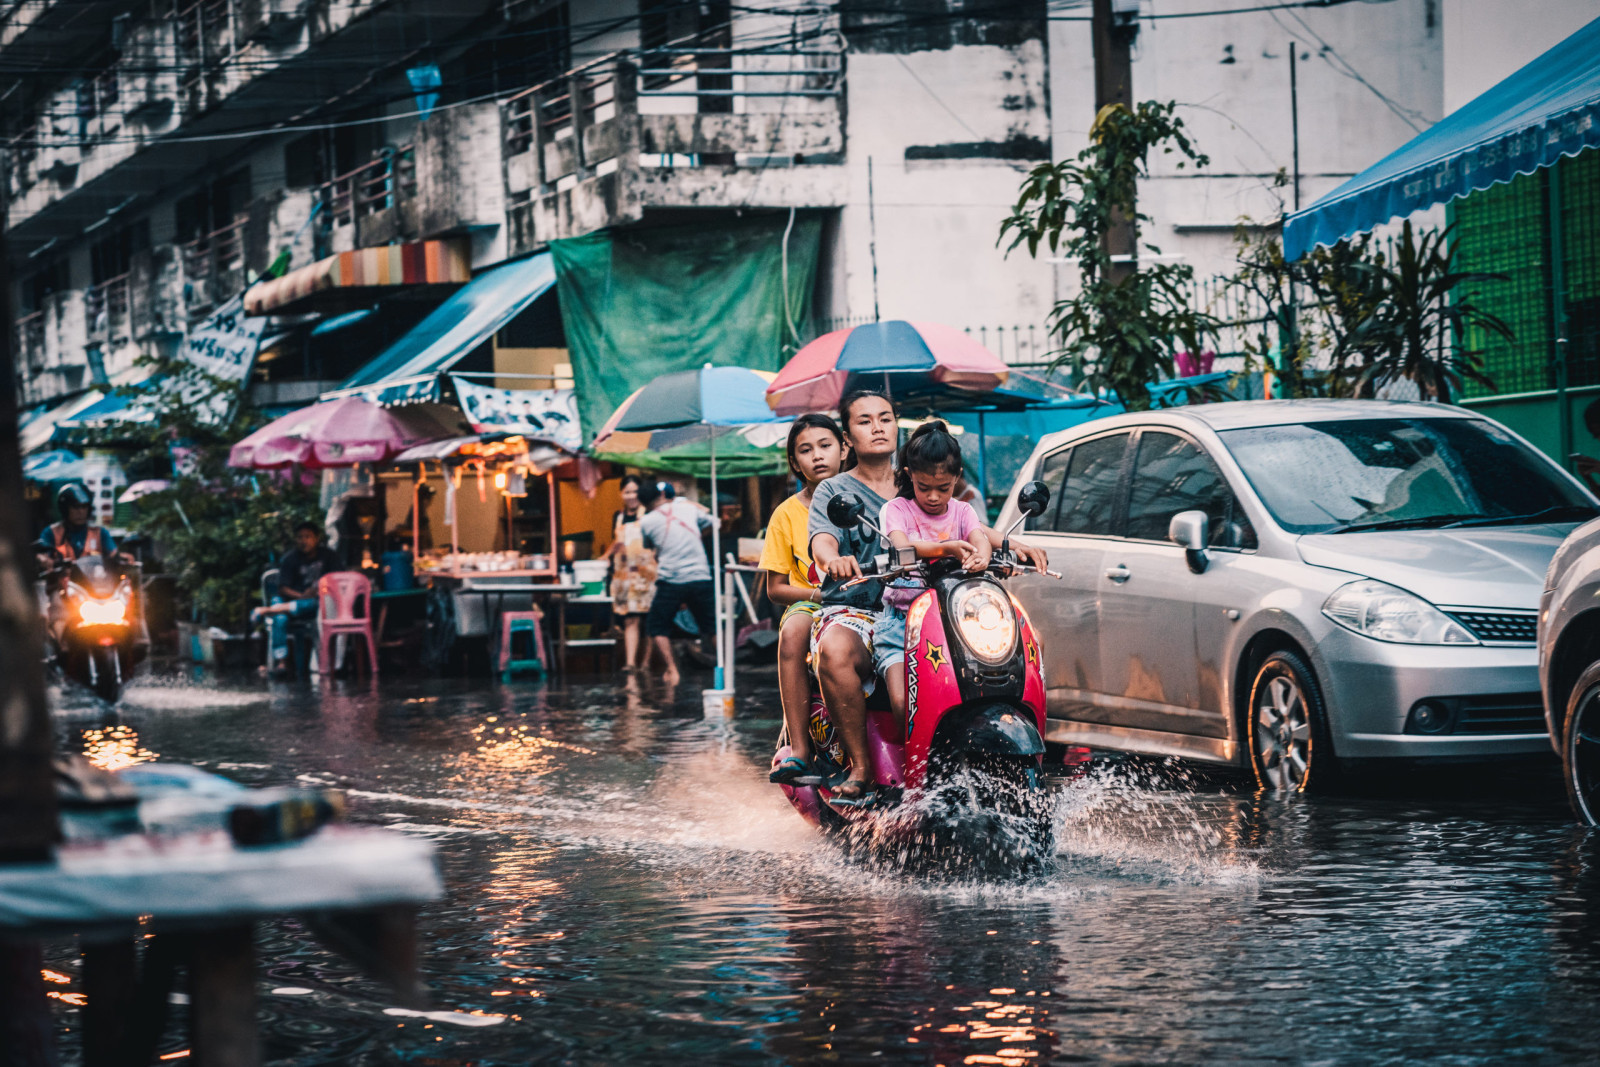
column 91, row 542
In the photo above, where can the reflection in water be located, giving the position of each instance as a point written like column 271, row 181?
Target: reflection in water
column 624, row 887
column 111, row 748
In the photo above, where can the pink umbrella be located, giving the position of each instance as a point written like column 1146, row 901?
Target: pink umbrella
column 338, row 433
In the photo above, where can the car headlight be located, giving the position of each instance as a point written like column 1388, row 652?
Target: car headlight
column 102, row 612
column 1384, row 613
column 985, row 620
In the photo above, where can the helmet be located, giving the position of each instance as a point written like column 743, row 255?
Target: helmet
column 72, row 496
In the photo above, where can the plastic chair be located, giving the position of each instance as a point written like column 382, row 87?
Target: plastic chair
column 344, row 607
column 515, row 622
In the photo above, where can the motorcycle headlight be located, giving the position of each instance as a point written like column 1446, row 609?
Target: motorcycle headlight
column 102, row 612
column 985, row 620
column 1384, row 613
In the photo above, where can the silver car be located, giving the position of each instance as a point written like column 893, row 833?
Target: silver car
column 1284, row 585
column 1569, row 665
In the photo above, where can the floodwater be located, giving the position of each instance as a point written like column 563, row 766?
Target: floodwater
column 624, row 887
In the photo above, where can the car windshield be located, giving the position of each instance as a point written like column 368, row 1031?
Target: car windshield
column 1366, row 474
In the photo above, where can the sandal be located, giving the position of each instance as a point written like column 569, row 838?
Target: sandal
column 863, row 795
column 791, row 768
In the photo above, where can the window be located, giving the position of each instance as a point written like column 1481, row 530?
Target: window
column 1053, row 473
column 1089, row 497
column 1172, row 474
column 1329, row 477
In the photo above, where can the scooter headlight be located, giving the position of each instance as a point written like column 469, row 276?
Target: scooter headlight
column 113, row 612
column 985, row 620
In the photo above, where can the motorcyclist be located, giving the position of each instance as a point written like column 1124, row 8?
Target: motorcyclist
column 72, row 538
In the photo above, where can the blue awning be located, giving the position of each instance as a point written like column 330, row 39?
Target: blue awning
column 408, row 371
column 1548, row 109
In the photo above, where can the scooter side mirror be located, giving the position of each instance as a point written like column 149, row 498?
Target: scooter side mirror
column 844, row 511
column 1190, row 530
column 1033, row 498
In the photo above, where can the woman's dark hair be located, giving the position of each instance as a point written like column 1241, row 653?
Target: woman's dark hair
column 634, row 478
column 313, row 527
column 648, row 492
column 854, row 397
column 806, row 422
column 932, row 449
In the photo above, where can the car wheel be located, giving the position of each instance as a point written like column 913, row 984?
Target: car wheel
column 1287, row 731
column 1580, row 746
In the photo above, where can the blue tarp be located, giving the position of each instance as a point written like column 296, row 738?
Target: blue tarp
column 408, row 370
column 1548, row 109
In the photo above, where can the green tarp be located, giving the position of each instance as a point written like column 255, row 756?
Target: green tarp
column 642, row 302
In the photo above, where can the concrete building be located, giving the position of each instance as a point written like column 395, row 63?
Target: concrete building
column 163, row 157
column 1369, row 77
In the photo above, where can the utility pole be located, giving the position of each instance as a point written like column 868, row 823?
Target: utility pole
column 1294, row 119
column 1115, row 25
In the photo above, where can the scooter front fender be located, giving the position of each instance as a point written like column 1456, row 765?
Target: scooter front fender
column 999, row 730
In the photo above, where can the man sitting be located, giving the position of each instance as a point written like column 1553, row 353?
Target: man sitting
column 298, row 573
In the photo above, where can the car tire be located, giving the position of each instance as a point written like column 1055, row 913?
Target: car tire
column 1287, row 727
column 1580, row 746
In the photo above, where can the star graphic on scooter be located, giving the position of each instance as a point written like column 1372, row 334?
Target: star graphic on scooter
column 935, row 655
column 1033, row 652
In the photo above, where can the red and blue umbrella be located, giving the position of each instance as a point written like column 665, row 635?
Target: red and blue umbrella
column 916, row 363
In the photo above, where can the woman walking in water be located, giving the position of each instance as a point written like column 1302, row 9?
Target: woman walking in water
column 633, row 575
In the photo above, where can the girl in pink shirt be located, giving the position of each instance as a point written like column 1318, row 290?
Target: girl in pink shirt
column 927, row 518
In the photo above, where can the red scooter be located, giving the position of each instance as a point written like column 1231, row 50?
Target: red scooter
column 965, row 772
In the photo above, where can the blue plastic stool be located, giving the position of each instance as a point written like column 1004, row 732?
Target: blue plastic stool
column 511, row 624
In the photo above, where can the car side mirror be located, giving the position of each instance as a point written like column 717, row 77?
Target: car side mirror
column 1190, row 530
column 1033, row 498
column 844, row 511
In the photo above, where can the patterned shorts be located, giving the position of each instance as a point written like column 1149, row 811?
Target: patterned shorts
column 858, row 620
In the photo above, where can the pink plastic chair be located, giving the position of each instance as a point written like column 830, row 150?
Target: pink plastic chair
column 339, row 595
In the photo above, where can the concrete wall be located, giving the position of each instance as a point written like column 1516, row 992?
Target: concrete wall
column 1370, row 78
column 950, row 125
column 1485, row 41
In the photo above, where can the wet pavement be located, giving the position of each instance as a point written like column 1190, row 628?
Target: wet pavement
column 624, row 887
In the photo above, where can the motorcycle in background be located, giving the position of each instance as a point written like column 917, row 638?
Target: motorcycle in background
column 97, row 623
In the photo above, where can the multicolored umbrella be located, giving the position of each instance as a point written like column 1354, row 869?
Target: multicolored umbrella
column 690, row 400
column 923, row 364
column 691, row 407
column 339, row 433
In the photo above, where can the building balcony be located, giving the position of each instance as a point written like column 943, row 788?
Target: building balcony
column 51, row 343
column 702, row 128
column 372, row 204
column 213, row 66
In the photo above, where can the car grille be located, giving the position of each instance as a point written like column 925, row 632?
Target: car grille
column 1503, row 713
column 1500, row 625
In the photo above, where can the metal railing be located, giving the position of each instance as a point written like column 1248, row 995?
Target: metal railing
column 720, row 79
column 105, row 307
column 371, row 187
column 215, row 252
column 30, row 338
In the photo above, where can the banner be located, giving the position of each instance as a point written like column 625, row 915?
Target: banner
column 544, row 414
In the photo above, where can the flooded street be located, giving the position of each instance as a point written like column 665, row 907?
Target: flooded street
column 624, row 887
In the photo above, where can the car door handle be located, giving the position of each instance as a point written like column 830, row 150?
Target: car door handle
column 1119, row 573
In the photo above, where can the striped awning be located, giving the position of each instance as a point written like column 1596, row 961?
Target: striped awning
column 441, row 262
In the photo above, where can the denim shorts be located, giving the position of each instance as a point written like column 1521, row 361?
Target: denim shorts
column 889, row 638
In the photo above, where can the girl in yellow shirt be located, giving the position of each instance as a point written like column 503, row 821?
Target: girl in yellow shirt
column 816, row 451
